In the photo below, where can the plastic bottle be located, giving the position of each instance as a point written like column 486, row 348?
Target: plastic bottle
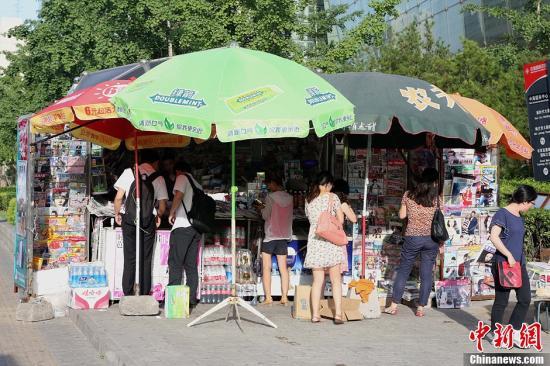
column 208, row 296
column 102, row 277
column 77, row 274
column 218, row 294
column 71, row 276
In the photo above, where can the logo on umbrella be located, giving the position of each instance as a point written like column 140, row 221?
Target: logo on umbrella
column 181, row 97
column 168, row 125
column 261, row 130
column 317, row 97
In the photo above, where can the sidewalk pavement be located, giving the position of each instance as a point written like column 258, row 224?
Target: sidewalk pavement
column 52, row 342
column 441, row 337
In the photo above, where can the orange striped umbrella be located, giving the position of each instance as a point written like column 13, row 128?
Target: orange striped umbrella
column 502, row 131
column 91, row 117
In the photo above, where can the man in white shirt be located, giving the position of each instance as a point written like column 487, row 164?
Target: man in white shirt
column 149, row 165
column 184, row 239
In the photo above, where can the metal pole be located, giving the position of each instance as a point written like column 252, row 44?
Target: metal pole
column 233, row 223
column 138, row 215
column 364, row 212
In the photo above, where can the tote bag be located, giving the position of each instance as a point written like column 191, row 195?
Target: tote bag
column 330, row 228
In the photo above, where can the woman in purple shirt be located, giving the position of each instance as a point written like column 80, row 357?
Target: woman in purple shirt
column 507, row 234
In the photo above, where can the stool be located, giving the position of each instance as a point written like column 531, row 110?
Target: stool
column 538, row 304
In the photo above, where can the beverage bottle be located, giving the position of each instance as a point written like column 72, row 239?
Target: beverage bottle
column 217, row 294
column 71, row 276
column 209, row 294
column 103, row 277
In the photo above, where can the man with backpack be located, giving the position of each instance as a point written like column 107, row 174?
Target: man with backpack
column 191, row 215
column 152, row 191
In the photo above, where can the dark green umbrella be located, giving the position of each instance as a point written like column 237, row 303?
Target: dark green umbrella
column 405, row 110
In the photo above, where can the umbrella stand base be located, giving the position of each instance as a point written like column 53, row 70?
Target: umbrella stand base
column 143, row 305
column 233, row 302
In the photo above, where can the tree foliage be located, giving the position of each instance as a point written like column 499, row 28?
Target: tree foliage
column 70, row 37
column 492, row 75
column 530, row 23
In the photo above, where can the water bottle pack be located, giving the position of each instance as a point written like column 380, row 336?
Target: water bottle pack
column 214, row 294
column 88, row 275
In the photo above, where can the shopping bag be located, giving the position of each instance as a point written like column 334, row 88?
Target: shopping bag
column 509, row 277
column 176, row 302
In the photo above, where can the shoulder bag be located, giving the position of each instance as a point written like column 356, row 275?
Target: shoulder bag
column 439, row 231
column 330, row 228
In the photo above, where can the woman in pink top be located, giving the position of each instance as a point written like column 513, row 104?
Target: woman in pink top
column 277, row 213
column 418, row 206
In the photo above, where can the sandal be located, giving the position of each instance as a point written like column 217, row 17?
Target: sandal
column 315, row 319
column 284, row 303
column 267, row 303
column 338, row 320
column 419, row 313
column 390, row 311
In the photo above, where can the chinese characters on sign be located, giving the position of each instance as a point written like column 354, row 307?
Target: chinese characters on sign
column 529, row 336
column 421, row 101
column 538, row 110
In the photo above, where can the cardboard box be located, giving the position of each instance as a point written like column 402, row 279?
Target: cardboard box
column 302, row 302
column 177, row 302
column 89, row 298
column 350, row 308
column 50, row 281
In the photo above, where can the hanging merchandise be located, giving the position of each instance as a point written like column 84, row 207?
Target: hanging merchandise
column 60, row 198
column 470, row 191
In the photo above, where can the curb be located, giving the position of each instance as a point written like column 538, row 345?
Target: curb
column 100, row 339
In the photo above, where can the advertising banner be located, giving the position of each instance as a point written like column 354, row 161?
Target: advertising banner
column 538, row 110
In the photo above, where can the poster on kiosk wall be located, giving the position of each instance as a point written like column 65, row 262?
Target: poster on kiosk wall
column 21, row 240
column 538, row 109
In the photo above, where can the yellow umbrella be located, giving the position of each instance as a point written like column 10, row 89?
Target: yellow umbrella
column 502, row 131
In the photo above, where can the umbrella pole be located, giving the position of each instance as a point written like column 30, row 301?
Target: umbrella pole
column 233, row 301
column 364, row 212
column 138, row 216
column 234, row 190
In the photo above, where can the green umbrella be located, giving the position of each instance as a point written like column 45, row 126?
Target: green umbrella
column 245, row 94
column 405, row 109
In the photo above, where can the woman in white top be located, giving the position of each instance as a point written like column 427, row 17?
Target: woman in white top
column 277, row 213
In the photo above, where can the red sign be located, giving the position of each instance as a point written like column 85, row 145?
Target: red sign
column 533, row 72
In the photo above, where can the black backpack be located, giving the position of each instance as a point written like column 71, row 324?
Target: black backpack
column 202, row 215
column 147, row 193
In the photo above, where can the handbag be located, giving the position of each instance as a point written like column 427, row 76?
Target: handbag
column 330, row 228
column 439, row 231
column 509, row 277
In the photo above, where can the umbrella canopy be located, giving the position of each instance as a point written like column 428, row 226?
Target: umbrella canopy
column 502, row 131
column 246, row 94
column 406, row 109
column 91, row 109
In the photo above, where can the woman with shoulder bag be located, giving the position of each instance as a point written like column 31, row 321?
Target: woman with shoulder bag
column 322, row 254
column 419, row 206
column 507, row 233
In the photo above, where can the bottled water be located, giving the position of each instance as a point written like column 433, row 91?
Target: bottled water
column 102, row 277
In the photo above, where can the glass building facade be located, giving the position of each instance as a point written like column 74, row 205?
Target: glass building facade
column 450, row 23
